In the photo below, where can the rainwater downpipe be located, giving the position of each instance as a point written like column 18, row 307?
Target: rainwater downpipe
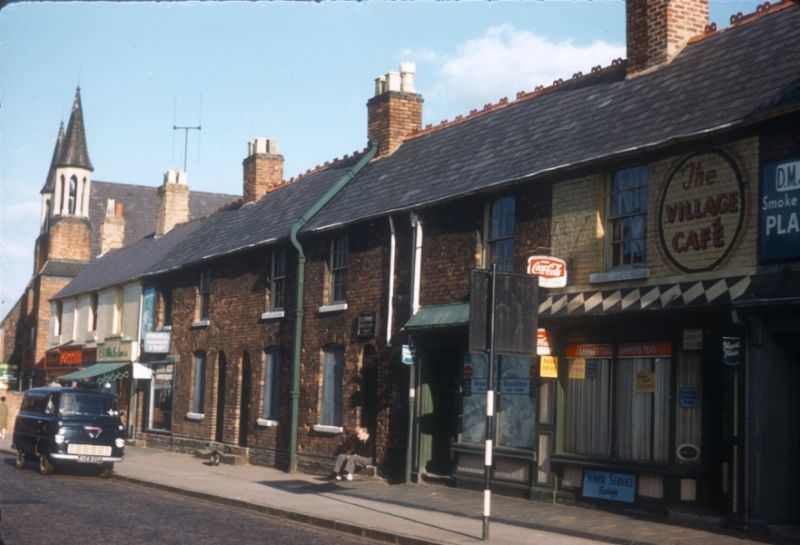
column 294, row 394
column 389, row 302
column 412, row 454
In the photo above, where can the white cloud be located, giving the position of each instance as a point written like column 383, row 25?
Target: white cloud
column 506, row 60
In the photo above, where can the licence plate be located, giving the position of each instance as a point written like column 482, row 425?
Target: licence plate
column 90, row 459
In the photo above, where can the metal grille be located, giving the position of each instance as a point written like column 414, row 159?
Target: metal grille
column 89, row 450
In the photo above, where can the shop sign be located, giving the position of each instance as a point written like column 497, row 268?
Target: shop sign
column 692, row 339
column 148, row 310
column 71, row 356
column 779, row 230
column 730, row 350
column 644, row 350
column 687, row 452
column 114, row 350
column 687, row 397
column 701, row 211
column 608, row 485
column 548, row 367
column 366, row 326
column 552, row 271
column 543, row 342
column 591, row 369
column 141, row 371
column 506, row 386
column 601, row 351
column 645, row 382
column 157, row 342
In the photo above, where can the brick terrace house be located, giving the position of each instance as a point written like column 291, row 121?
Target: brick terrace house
column 667, row 182
column 81, row 218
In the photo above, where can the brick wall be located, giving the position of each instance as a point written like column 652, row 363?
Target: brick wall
column 47, row 287
column 172, row 206
column 69, row 239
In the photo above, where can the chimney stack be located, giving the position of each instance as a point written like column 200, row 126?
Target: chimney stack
column 657, row 30
column 173, row 201
column 112, row 232
column 396, row 109
column 263, row 168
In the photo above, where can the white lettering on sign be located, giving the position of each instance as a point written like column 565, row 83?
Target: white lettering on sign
column 786, row 177
column 552, row 271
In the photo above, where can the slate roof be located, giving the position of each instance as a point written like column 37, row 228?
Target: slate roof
column 75, row 153
column 49, row 184
column 729, row 78
column 141, row 204
column 62, row 268
column 119, row 266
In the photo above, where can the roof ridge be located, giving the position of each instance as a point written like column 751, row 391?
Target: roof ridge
column 557, row 85
column 325, row 166
column 740, row 19
column 191, row 191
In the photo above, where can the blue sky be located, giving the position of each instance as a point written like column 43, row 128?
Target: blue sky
column 300, row 72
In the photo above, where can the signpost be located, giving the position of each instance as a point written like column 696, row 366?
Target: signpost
column 552, row 271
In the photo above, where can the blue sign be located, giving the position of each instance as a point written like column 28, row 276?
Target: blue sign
column 779, row 230
column 608, row 485
column 688, row 397
column 407, row 355
column 148, row 310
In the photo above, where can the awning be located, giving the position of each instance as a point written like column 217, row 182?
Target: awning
column 435, row 316
column 101, row 372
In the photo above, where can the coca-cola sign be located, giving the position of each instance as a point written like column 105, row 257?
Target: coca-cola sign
column 552, row 271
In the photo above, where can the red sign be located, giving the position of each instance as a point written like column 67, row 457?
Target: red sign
column 543, row 342
column 70, row 357
column 603, row 351
column 644, row 350
column 552, row 271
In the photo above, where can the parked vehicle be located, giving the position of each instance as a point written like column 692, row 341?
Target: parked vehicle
column 64, row 426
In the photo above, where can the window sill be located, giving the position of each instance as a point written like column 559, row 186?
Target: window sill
column 273, row 314
column 197, row 324
column 620, row 275
column 195, row 416
column 333, row 307
column 266, row 423
column 324, row 428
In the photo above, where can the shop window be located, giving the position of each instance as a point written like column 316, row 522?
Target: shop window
column 160, row 401
column 276, row 280
column 205, row 295
column 332, row 383
column 515, row 418
column 199, row 383
column 622, row 393
column 273, row 362
column 627, row 217
column 500, row 239
column 338, row 270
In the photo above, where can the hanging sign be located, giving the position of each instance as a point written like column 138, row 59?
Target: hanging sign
column 730, row 350
column 552, row 271
column 543, row 342
column 645, row 382
column 407, row 355
column 779, row 230
column 548, row 367
column 701, row 211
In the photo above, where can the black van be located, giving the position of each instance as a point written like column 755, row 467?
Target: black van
column 62, row 426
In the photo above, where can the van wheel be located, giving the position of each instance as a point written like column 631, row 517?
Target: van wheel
column 21, row 461
column 45, row 466
column 106, row 471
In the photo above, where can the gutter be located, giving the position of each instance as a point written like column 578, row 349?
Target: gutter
column 294, row 393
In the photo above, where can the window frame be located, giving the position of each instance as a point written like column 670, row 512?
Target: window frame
column 204, row 295
column 272, row 367
column 497, row 217
column 640, row 210
column 198, row 382
column 337, row 269
column 331, row 404
column 275, row 279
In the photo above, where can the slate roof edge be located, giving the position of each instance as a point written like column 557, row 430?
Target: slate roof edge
column 651, row 146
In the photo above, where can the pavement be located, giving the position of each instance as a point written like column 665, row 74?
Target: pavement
column 413, row 514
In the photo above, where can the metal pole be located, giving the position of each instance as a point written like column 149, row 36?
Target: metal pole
column 186, row 140
column 487, row 467
column 410, row 435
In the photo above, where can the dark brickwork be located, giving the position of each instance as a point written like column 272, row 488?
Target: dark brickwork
column 391, row 116
column 263, row 172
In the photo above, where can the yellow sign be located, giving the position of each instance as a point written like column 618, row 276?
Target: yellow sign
column 548, row 367
column 577, row 368
column 646, row 382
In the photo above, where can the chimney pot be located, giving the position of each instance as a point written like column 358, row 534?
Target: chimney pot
column 380, row 85
column 393, row 81
column 263, row 168
column 268, row 146
column 119, row 209
column 407, row 72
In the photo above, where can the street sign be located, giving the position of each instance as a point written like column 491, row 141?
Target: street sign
column 407, row 355
column 552, row 271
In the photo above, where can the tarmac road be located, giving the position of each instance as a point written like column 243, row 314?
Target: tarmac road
column 81, row 508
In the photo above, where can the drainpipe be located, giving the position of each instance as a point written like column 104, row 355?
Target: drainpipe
column 412, row 462
column 416, row 224
column 301, row 266
column 389, row 305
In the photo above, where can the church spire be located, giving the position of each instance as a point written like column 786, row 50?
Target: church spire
column 49, row 184
column 74, row 152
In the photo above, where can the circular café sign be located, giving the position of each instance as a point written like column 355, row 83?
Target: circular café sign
column 701, row 211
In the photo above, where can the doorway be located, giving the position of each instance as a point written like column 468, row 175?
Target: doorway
column 221, row 372
column 244, row 408
column 369, row 396
column 438, row 409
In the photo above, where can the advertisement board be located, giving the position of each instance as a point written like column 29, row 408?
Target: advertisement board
column 779, row 206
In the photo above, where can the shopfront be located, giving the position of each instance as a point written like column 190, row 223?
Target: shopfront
column 154, row 387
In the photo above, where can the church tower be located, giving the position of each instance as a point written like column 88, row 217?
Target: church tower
column 65, row 230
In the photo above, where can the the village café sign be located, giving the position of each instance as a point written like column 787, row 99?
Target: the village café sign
column 114, row 350
column 701, row 211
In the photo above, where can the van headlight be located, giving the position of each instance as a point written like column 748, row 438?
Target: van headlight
column 59, row 439
column 119, row 442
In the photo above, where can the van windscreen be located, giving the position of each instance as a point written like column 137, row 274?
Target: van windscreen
column 86, row 404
